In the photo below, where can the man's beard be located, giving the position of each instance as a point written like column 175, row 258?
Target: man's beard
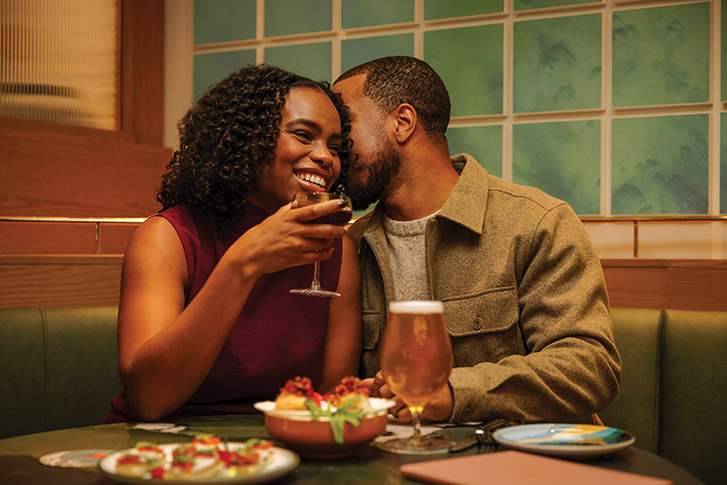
column 366, row 182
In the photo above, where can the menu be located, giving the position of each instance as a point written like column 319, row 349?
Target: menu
column 519, row 468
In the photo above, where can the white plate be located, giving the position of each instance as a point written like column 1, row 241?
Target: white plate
column 579, row 441
column 281, row 462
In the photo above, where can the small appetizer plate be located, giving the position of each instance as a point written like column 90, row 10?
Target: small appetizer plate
column 277, row 463
column 575, row 441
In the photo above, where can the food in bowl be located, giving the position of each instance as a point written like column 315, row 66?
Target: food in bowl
column 331, row 426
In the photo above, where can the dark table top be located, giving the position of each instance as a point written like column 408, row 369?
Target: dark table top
column 19, row 456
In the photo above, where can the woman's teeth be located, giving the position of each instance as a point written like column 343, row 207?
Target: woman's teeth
column 314, row 179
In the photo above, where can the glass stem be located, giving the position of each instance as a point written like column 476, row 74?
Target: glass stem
column 416, row 435
column 316, row 276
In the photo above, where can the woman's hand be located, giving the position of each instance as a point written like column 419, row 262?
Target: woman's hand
column 287, row 239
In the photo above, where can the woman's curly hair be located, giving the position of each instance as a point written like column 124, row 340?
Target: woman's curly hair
column 230, row 135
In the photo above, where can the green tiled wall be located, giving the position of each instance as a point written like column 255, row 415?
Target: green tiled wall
column 474, row 74
column 358, row 51
column 564, row 55
column 311, row 60
column 289, row 17
column 542, row 90
column 209, row 69
column 444, row 9
column 660, row 165
column 355, row 13
column 482, row 142
column 535, row 4
column 562, row 159
column 224, row 20
column 661, row 55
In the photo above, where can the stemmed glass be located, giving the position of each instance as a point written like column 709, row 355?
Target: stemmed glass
column 416, row 360
column 339, row 218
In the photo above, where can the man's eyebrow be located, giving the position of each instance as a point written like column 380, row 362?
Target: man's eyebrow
column 311, row 124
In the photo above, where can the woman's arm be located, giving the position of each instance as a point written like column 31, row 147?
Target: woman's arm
column 165, row 349
column 343, row 339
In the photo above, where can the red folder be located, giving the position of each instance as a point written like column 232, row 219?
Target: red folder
column 519, row 468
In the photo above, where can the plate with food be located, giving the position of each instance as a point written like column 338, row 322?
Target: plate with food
column 578, row 441
column 207, row 459
column 334, row 425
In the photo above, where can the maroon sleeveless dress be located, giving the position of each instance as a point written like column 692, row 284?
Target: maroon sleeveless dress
column 277, row 336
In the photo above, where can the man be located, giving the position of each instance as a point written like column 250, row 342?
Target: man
column 524, row 296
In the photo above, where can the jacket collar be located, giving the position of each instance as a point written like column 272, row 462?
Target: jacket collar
column 466, row 204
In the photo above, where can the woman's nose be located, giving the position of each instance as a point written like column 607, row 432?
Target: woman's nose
column 321, row 154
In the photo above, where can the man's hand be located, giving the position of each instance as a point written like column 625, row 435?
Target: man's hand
column 438, row 409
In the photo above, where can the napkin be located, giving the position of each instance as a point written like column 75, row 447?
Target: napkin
column 519, row 468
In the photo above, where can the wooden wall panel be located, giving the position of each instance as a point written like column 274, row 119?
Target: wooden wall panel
column 47, row 238
column 113, row 237
column 53, row 175
column 696, row 283
column 59, row 281
column 681, row 284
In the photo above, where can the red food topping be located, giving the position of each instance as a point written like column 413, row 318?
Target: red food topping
column 261, row 445
column 150, row 448
column 157, row 472
column 302, row 386
column 351, row 385
column 234, row 458
column 128, row 460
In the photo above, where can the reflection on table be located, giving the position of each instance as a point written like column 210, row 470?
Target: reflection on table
column 19, row 456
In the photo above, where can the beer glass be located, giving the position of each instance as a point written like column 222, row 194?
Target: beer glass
column 416, row 361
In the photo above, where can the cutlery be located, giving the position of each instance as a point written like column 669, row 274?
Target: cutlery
column 481, row 436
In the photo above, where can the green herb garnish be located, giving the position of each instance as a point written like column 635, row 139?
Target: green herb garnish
column 342, row 415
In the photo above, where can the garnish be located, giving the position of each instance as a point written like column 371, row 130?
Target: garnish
column 347, row 413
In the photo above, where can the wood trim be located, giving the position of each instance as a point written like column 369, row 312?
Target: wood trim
column 142, row 70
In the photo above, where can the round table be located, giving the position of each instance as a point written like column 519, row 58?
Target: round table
column 19, row 456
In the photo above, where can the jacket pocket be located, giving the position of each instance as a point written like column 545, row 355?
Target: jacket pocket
column 491, row 311
column 371, row 320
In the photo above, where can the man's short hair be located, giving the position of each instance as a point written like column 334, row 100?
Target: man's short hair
column 391, row 81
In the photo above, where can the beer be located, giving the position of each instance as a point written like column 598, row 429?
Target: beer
column 416, row 355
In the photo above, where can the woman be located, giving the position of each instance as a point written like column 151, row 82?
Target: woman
column 207, row 324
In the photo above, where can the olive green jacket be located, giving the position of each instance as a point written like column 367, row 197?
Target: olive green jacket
column 524, row 300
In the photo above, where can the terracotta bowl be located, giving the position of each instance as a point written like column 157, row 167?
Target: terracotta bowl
column 314, row 439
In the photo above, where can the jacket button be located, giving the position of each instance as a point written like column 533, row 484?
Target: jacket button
column 477, row 323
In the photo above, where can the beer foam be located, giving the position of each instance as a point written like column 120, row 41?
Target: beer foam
column 419, row 306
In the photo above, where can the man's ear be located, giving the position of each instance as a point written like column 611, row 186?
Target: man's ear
column 405, row 121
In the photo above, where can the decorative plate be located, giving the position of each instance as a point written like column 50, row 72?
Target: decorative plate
column 578, row 441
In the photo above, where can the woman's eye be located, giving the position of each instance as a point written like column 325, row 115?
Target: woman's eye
column 335, row 149
column 304, row 135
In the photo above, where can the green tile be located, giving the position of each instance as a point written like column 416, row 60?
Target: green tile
column 209, row 69
column 288, row 17
column 562, row 159
column 557, row 64
column 470, row 61
column 446, row 9
column 482, row 142
column 723, row 165
column 660, row 165
column 224, row 20
column 661, row 55
column 358, row 51
column 533, row 4
column 357, row 13
column 311, row 60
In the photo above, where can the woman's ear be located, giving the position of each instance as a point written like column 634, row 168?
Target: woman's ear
column 405, row 120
